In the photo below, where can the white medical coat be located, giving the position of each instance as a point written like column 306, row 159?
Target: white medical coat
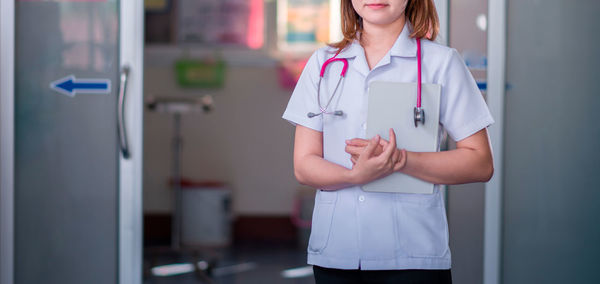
column 352, row 228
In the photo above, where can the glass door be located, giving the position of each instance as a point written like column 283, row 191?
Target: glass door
column 77, row 142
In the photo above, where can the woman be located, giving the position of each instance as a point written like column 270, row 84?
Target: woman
column 375, row 237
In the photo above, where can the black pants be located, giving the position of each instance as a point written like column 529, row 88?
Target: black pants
column 410, row 276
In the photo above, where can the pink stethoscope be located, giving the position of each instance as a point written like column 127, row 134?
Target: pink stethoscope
column 419, row 113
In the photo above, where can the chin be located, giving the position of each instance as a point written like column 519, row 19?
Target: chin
column 379, row 21
column 381, row 18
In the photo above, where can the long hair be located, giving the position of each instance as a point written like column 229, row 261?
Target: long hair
column 420, row 13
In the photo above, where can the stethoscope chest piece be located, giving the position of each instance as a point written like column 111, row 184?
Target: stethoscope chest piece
column 419, row 116
column 337, row 113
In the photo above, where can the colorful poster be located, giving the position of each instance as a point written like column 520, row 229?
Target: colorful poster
column 307, row 21
column 64, row 0
column 221, row 22
column 303, row 24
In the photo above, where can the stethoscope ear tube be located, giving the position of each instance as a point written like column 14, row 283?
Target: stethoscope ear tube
column 321, row 74
column 332, row 59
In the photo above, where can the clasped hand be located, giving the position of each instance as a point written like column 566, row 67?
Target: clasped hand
column 374, row 158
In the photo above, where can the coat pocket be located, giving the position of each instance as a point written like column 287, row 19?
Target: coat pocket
column 321, row 220
column 422, row 228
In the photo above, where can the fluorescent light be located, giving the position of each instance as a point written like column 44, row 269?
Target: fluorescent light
column 481, row 22
column 299, row 272
column 172, row 269
column 182, row 268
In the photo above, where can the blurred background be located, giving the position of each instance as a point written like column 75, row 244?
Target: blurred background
column 142, row 141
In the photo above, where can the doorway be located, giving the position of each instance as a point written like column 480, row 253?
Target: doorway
column 71, row 142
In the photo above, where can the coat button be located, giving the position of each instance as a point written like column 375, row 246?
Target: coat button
column 361, row 198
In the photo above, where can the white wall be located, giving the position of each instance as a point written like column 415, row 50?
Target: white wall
column 243, row 142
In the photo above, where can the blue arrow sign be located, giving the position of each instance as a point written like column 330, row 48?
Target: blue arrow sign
column 482, row 85
column 71, row 86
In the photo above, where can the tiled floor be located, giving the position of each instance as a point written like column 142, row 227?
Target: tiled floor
column 264, row 264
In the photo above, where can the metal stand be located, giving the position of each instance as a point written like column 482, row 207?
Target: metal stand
column 176, row 181
column 204, row 270
column 177, row 107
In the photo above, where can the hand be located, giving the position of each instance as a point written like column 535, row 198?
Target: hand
column 368, row 165
column 356, row 146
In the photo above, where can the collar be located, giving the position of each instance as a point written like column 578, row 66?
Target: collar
column 405, row 46
column 350, row 51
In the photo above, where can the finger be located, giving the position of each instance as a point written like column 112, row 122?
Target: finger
column 354, row 149
column 368, row 151
column 383, row 142
column 402, row 162
column 379, row 150
column 396, row 157
column 357, row 142
column 353, row 159
column 390, row 147
column 393, row 138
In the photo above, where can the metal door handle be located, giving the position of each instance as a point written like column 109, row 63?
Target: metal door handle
column 121, row 112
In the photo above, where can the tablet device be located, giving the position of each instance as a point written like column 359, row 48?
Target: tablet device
column 391, row 105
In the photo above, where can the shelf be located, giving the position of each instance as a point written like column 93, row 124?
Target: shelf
column 163, row 55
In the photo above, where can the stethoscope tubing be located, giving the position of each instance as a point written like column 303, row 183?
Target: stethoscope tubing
column 323, row 110
column 419, row 113
column 418, row 73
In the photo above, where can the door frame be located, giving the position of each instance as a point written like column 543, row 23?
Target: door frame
column 7, row 67
column 496, row 90
column 130, row 170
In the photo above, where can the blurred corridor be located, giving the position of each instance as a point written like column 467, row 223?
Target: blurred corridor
column 141, row 134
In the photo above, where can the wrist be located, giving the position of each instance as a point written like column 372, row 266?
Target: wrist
column 404, row 164
column 351, row 177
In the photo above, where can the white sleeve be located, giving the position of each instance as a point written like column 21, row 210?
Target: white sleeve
column 463, row 110
column 304, row 98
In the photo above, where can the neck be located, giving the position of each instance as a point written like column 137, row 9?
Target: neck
column 382, row 36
